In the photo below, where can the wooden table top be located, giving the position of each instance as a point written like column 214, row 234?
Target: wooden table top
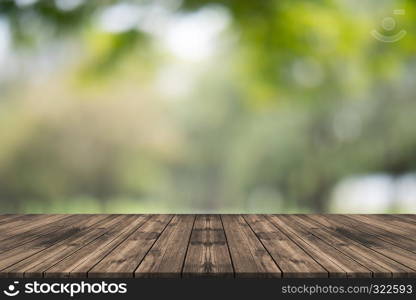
column 207, row 245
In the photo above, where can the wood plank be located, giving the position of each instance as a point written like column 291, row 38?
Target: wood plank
column 335, row 262
column 250, row 258
column 35, row 265
column 21, row 221
column 13, row 256
column 30, row 226
column 366, row 229
column 380, row 265
column 250, row 246
column 166, row 258
column 404, row 218
column 43, row 232
column 400, row 255
column 123, row 260
column 394, row 221
column 80, row 262
column 6, row 218
column 411, row 216
column 384, row 227
column 291, row 259
column 384, row 224
column 208, row 254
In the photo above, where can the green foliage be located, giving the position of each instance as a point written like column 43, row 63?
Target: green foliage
column 302, row 97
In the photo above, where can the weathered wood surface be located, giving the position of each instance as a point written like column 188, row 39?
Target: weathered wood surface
column 168, row 246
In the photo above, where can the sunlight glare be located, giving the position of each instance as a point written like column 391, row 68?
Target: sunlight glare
column 193, row 37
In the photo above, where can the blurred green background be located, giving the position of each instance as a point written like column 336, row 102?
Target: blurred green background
column 174, row 106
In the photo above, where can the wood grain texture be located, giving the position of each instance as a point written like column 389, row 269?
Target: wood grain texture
column 381, row 265
column 8, row 217
column 29, row 226
column 249, row 256
column 292, row 259
column 35, row 265
column 386, row 224
column 335, row 262
column 124, row 259
column 14, row 221
column 165, row 259
column 80, row 262
column 242, row 246
column 375, row 243
column 367, row 229
column 208, row 253
column 13, row 256
column 49, row 231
